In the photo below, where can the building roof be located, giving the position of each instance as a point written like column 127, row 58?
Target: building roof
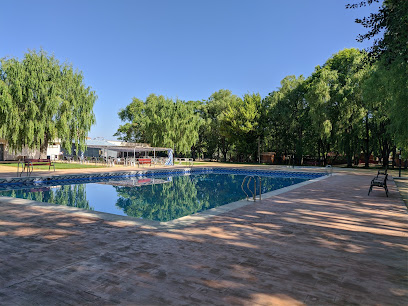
column 98, row 143
column 122, row 147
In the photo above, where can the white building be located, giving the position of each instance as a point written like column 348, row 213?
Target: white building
column 53, row 151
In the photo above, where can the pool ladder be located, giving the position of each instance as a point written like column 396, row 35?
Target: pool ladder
column 248, row 179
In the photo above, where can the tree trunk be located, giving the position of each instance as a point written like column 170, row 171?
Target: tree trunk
column 193, row 152
column 224, row 149
column 367, row 151
column 385, row 152
column 385, row 160
column 259, row 150
column 348, row 150
column 394, row 155
column 299, row 148
column 326, row 155
column 43, row 147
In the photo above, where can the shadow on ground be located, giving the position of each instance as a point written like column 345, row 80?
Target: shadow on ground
column 324, row 243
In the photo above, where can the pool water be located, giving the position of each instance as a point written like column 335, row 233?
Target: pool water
column 159, row 198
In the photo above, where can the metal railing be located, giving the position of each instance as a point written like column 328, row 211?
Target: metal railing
column 188, row 161
column 248, row 179
column 329, row 170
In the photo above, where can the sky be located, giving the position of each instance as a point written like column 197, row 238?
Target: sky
column 185, row 49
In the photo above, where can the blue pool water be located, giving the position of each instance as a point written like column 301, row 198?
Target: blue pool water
column 154, row 197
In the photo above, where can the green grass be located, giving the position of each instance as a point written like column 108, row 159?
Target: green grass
column 188, row 164
column 61, row 166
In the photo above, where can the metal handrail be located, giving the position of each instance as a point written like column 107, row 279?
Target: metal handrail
column 22, row 168
column 249, row 178
column 329, row 170
column 249, row 188
column 242, row 187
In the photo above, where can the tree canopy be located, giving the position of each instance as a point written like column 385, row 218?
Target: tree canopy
column 389, row 57
column 347, row 110
column 42, row 100
column 335, row 89
column 160, row 121
column 287, row 116
column 388, row 28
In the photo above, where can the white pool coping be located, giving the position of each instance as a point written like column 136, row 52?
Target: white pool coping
column 188, row 220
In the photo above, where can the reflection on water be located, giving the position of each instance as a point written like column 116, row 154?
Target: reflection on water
column 162, row 202
column 162, row 199
column 68, row 195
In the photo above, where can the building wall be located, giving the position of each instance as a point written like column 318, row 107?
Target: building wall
column 52, row 150
column 9, row 154
column 91, row 152
column 268, row 157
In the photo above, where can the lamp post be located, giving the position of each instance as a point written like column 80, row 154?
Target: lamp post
column 400, row 161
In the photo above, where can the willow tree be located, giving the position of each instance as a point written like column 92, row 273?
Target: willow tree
column 336, row 102
column 288, row 116
column 42, row 100
column 243, row 124
column 215, row 106
column 160, row 121
column 387, row 28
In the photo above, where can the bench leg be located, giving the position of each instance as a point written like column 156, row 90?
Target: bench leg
column 371, row 188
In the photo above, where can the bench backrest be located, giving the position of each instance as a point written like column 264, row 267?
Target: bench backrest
column 145, row 159
column 39, row 160
column 381, row 177
column 383, row 172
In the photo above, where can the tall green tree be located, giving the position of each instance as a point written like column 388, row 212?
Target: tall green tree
column 242, row 123
column 161, row 121
column 217, row 103
column 336, row 102
column 42, row 100
column 388, row 28
column 387, row 96
column 288, row 117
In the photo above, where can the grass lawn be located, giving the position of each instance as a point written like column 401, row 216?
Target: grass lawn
column 60, row 166
column 188, row 164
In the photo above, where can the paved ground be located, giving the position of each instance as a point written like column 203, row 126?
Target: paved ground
column 402, row 185
column 324, row 243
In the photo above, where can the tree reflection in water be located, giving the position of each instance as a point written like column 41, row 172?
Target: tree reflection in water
column 182, row 196
column 68, row 195
column 162, row 202
column 187, row 195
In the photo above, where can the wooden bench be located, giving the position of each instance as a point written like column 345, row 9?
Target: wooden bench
column 144, row 161
column 30, row 163
column 380, row 181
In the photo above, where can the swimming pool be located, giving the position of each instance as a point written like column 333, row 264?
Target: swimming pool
column 157, row 196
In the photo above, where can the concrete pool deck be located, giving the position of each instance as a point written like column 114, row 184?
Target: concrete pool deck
column 323, row 243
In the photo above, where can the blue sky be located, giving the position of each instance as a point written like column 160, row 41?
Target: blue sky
column 181, row 49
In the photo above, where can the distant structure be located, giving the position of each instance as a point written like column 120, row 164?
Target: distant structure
column 53, row 151
column 95, row 148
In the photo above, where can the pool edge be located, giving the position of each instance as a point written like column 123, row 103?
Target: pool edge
column 173, row 224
